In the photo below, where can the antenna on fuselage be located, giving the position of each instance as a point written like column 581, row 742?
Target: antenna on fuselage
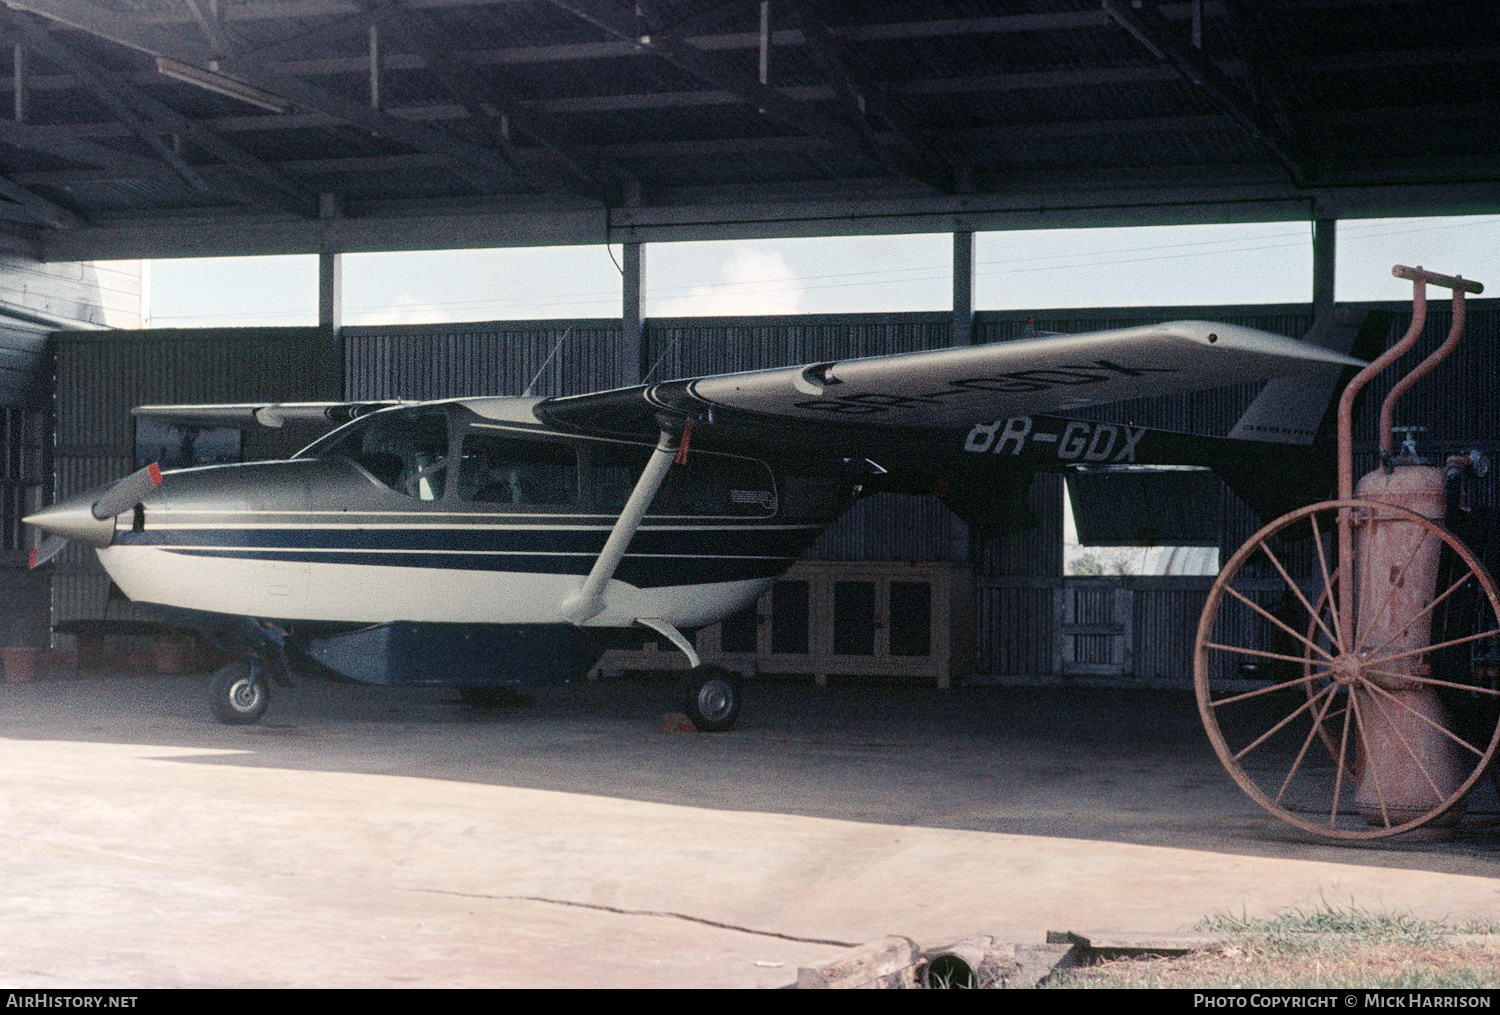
column 545, row 362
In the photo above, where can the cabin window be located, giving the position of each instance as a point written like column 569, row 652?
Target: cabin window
column 407, row 450
column 708, row 484
column 497, row 469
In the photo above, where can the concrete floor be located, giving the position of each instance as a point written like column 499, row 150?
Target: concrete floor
column 371, row 838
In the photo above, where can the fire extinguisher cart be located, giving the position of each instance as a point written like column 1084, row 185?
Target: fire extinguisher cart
column 1346, row 660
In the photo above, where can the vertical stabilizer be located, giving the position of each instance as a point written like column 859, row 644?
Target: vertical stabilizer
column 1293, row 410
column 1292, row 421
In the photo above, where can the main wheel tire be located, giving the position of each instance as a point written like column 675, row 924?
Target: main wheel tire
column 239, row 693
column 1263, row 732
column 710, row 699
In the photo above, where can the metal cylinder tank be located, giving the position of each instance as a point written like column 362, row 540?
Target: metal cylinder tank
column 1407, row 765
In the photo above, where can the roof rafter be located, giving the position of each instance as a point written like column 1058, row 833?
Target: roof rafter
column 860, row 99
column 1270, row 74
column 117, row 28
column 651, row 36
column 128, row 103
column 476, row 164
column 71, row 143
column 209, row 18
column 47, row 212
column 1151, row 30
column 495, row 113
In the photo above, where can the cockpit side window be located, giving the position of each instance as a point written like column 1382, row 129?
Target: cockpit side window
column 406, row 450
column 500, row 469
column 706, row 485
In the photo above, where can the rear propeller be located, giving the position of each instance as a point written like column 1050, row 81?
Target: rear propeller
column 64, row 522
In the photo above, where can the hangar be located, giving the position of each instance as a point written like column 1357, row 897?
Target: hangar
column 170, row 128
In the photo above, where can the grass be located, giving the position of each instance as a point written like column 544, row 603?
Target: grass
column 1330, row 947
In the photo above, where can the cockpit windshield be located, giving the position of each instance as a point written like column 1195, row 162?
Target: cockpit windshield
column 406, row 449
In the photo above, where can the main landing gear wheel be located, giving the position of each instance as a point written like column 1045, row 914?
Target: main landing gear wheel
column 709, row 698
column 239, row 693
column 1275, row 671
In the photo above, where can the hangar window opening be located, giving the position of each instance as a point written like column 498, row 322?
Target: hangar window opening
column 1136, row 522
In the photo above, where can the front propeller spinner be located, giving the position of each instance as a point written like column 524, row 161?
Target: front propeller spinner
column 90, row 517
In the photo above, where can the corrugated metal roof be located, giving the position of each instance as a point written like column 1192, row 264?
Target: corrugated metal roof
column 1008, row 106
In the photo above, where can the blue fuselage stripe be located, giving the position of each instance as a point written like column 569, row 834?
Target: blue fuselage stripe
column 656, row 557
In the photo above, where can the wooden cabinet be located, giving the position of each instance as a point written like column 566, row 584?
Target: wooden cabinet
column 881, row 618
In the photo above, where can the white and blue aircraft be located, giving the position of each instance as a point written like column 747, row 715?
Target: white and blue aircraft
column 500, row 543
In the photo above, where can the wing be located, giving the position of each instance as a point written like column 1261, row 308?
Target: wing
column 271, row 414
column 885, row 401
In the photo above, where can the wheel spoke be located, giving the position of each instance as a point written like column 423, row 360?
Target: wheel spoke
column 1433, row 648
column 1269, row 688
column 1312, row 732
column 1434, row 681
column 1364, row 738
column 1445, row 731
column 1276, row 620
column 1426, row 610
column 1338, row 779
column 1297, row 590
column 1397, row 581
column 1261, row 653
column 1274, row 729
column 1401, row 738
column 1337, row 636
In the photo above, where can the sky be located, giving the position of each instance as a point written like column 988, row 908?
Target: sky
column 1032, row 270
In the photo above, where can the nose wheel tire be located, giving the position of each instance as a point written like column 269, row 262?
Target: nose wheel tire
column 1275, row 671
column 709, row 698
column 239, row 693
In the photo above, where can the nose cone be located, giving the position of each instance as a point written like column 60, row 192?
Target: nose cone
column 74, row 519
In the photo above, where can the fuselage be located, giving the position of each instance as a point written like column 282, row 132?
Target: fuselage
column 463, row 512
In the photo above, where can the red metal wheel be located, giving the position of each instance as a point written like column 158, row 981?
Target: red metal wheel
column 1275, row 669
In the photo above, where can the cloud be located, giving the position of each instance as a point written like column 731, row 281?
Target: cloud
column 403, row 309
column 751, row 281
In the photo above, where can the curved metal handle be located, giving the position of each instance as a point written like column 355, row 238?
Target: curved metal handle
column 1455, row 282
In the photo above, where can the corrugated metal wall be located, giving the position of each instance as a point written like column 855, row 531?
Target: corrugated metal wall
column 1018, row 577
column 24, row 367
column 692, row 347
column 35, row 299
column 495, row 358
